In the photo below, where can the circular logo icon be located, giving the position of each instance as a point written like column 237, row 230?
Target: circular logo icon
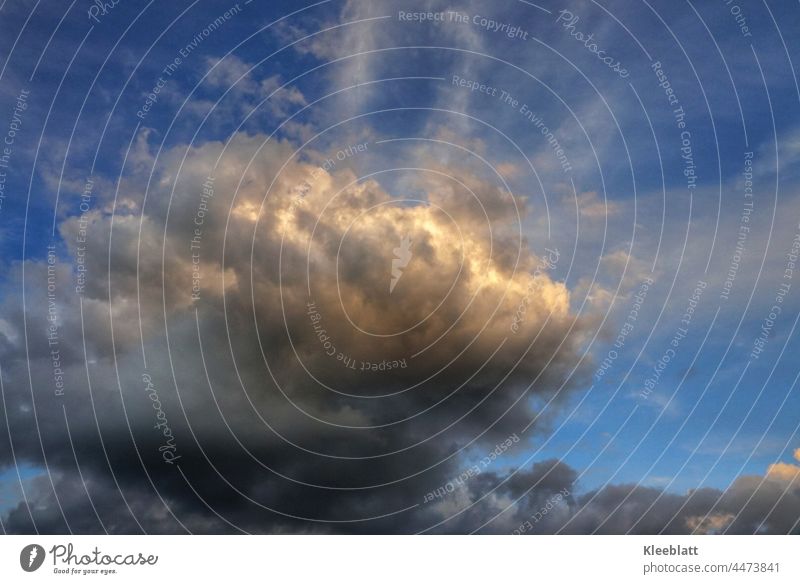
column 31, row 557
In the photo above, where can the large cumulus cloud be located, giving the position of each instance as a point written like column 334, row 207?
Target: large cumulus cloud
column 206, row 296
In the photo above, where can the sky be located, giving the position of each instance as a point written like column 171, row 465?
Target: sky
column 399, row 266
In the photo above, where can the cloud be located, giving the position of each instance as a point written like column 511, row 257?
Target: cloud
column 276, row 434
column 545, row 499
column 784, row 471
column 590, row 206
column 245, row 268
